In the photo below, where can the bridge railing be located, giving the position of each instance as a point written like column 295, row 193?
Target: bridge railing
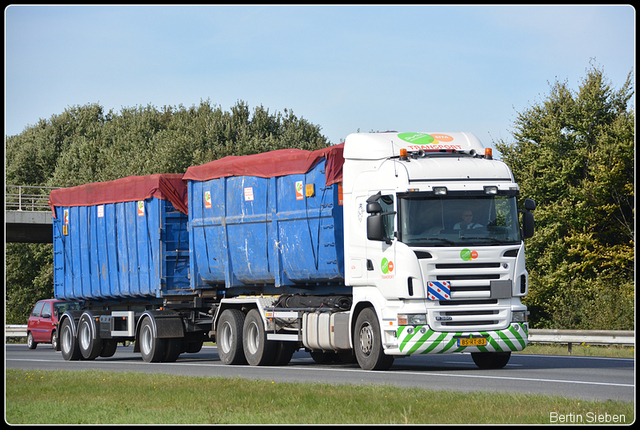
column 27, row 197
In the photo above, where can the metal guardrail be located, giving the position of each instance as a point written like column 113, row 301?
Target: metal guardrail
column 11, row 331
column 27, row 197
column 588, row 337
column 569, row 337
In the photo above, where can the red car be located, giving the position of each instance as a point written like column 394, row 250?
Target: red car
column 43, row 321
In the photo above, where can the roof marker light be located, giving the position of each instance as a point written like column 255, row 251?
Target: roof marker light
column 440, row 191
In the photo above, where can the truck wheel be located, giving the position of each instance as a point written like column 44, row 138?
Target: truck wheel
column 151, row 347
column 257, row 349
column 321, row 357
column 193, row 347
column 108, row 347
column 367, row 342
column 90, row 347
column 229, row 337
column 491, row 360
column 284, row 352
column 32, row 344
column 173, row 349
column 68, row 342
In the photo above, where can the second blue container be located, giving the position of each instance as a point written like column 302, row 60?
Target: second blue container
column 273, row 233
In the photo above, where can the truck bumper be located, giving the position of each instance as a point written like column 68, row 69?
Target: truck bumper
column 423, row 340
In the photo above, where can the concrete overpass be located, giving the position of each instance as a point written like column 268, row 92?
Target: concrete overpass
column 28, row 218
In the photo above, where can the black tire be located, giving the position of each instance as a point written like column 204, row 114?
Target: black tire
column 109, row 347
column 54, row 340
column 193, row 347
column 284, row 352
column 346, row 357
column 322, row 357
column 68, row 341
column 32, row 344
column 491, row 360
column 173, row 348
column 367, row 342
column 89, row 343
column 229, row 337
column 257, row 349
column 152, row 348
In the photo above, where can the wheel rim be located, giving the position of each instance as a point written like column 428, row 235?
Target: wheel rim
column 54, row 340
column 226, row 337
column 30, row 339
column 85, row 336
column 67, row 338
column 366, row 339
column 146, row 339
column 253, row 338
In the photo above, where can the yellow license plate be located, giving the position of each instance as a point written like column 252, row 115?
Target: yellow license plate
column 477, row 341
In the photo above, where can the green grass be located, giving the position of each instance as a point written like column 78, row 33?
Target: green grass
column 99, row 397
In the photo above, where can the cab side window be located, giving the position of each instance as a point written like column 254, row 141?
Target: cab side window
column 386, row 202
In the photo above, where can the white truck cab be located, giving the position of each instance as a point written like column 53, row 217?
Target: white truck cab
column 433, row 244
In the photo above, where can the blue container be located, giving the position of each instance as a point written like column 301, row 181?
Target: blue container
column 267, row 234
column 121, row 250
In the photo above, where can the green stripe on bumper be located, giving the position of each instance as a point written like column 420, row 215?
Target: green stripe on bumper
column 423, row 340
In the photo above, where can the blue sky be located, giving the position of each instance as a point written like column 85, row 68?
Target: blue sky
column 345, row 68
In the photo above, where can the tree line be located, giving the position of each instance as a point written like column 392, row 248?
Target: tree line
column 86, row 144
column 572, row 152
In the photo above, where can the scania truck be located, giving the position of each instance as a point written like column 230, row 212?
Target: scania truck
column 388, row 245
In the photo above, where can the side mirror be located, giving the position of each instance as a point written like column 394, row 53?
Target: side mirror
column 529, row 204
column 375, row 227
column 374, row 208
column 527, row 224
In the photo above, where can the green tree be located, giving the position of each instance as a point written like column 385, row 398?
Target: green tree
column 574, row 154
column 84, row 144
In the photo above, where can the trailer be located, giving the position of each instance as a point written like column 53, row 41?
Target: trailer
column 388, row 245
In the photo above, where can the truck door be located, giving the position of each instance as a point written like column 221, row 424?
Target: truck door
column 381, row 252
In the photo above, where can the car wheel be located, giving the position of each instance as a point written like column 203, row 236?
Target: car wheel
column 32, row 344
column 54, row 340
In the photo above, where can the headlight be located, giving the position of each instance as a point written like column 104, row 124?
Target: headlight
column 412, row 319
column 519, row 316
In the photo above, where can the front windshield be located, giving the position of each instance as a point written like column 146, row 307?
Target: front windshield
column 451, row 220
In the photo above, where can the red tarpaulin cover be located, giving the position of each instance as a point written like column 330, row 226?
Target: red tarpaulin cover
column 269, row 164
column 165, row 186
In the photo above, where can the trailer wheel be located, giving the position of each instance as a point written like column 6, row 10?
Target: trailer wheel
column 491, row 360
column 257, row 349
column 90, row 345
column 151, row 347
column 68, row 342
column 229, row 337
column 108, row 347
column 367, row 342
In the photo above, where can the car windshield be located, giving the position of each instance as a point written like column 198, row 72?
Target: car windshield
column 458, row 221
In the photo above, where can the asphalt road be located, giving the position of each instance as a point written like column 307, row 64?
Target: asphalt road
column 574, row 377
